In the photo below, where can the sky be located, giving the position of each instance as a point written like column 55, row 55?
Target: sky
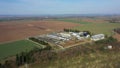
column 37, row 7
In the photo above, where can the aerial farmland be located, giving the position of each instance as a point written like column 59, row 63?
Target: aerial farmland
column 58, row 35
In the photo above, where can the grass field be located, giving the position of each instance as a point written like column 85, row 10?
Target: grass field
column 85, row 56
column 73, row 21
column 95, row 28
column 93, row 60
column 12, row 48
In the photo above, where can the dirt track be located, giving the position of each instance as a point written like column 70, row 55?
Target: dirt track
column 16, row 30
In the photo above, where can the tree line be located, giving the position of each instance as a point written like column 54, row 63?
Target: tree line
column 38, row 41
column 76, row 31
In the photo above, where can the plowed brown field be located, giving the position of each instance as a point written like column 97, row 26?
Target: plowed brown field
column 16, row 30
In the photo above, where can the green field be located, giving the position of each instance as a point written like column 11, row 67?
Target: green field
column 12, row 48
column 73, row 21
column 95, row 28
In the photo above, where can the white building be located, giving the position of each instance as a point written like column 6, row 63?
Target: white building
column 98, row 37
column 65, row 35
column 74, row 34
column 88, row 36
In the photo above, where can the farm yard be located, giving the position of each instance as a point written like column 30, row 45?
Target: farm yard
column 13, row 48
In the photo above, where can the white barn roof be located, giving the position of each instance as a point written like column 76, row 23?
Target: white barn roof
column 98, row 37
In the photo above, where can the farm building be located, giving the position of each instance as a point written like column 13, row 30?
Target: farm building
column 98, row 37
column 65, row 35
column 60, row 36
column 53, row 36
column 80, row 35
